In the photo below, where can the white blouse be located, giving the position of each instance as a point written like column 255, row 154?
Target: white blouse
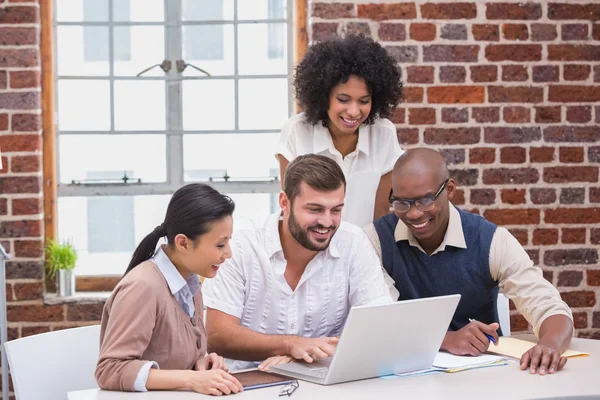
column 375, row 155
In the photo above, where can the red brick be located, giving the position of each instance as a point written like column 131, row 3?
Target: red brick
column 34, row 330
column 26, row 206
column 542, row 196
column 579, row 114
column 515, row 94
column 24, row 270
column 450, row 53
column 596, row 73
column 514, row 73
column 594, row 153
column 456, row 94
column 18, row 58
column 511, row 135
column 588, row 335
column 521, row 235
column 573, row 235
column 580, row 320
column 449, row 11
column 418, row 74
column 19, row 229
column 572, row 134
column 26, row 123
column 572, row 196
column 454, row 136
column 455, row 115
column 421, row 116
column 3, row 206
column 465, row 177
column 453, row 156
column 398, row 116
column 422, row 32
column 595, row 236
column 570, row 174
column 5, row 165
column 576, row 72
column 543, row 32
column 412, row 94
column 513, row 155
column 20, row 100
column 517, row 114
column 21, row 184
column 570, row 256
column 454, row 32
column 407, row 136
column 459, row 197
column 513, row 52
column 513, row 196
column 404, row 54
column 29, row 248
column 3, row 121
column 547, row 114
column 17, row 36
column 596, row 31
column 544, row 237
column 452, row 74
column 380, row 12
column 486, row 114
column 570, row 278
column 19, row 15
column 573, row 52
column 579, row 94
column 570, row 154
column 513, row 11
column 26, row 164
column 483, row 196
column 593, row 277
column 545, row 73
column 333, row 10
column 513, row 217
column 357, row 28
column 518, row 323
column 595, row 195
column 486, row 32
column 515, row 31
column 28, row 291
column 572, row 216
column 84, row 312
column 322, row 31
column 484, row 73
column 482, row 155
column 35, row 313
column 392, row 32
column 502, row 176
column 24, row 79
column 558, row 11
column 575, row 32
column 596, row 321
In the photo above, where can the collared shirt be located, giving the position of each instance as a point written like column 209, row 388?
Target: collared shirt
column 510, row 265
column 375, row 155
column 251, row 284
column 183, row 290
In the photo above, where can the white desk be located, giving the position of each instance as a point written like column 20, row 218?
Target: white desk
column 581, row 377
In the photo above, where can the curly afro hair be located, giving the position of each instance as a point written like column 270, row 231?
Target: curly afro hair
column 328, row 63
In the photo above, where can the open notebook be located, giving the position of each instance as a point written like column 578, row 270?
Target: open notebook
column 515, row 348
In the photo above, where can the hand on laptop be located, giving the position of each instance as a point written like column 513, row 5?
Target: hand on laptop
column 276, row 360
column 471, row 340
column 310, row 349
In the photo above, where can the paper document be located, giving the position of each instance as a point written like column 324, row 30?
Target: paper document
column 451, row 363
column 513, row 347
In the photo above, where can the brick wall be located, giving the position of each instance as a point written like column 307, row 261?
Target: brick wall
column 21, row 201
column 510, row 93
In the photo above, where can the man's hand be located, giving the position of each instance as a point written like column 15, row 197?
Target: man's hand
column 211, row 361
column 309, row 349
column 471, row 339
column 543, row 359
column 264, row 366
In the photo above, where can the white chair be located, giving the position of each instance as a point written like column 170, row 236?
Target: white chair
column 504, row 314
column 48, row 365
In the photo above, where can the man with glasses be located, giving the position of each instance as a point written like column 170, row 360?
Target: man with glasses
column 429, row 248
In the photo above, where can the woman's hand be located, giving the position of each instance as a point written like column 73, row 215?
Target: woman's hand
column 215, row 382
column 211, row 361
column 264, row 366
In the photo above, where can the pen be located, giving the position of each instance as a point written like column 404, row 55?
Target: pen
column 488, row 336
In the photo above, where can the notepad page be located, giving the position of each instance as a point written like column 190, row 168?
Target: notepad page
column 513, row 347
column 450, row 361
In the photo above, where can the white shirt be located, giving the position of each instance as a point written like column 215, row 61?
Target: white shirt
column 251, row 284
column 183, row 290
column 375, row 155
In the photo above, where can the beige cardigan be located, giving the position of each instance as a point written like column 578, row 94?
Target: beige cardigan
column 142, row 321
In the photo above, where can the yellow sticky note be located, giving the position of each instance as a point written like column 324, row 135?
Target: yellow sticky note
column 513, row 347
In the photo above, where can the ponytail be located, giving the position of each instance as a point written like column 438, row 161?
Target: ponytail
column 191, row 212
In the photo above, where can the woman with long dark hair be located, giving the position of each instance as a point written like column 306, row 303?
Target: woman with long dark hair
column 152, row 332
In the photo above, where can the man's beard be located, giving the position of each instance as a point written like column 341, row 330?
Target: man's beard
column 302, row 237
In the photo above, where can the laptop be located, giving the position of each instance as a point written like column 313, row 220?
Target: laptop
column 382, row 340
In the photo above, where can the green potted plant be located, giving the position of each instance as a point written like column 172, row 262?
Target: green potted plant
column 60, row 262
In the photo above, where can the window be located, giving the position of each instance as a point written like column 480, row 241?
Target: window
column 164, row 129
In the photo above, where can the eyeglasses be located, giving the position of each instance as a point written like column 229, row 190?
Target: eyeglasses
column 288, row 389
column 426, row 203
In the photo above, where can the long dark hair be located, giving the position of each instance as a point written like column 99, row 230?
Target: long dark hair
column 191, row 212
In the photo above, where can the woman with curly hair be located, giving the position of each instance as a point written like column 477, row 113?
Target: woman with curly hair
column 348, row 87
